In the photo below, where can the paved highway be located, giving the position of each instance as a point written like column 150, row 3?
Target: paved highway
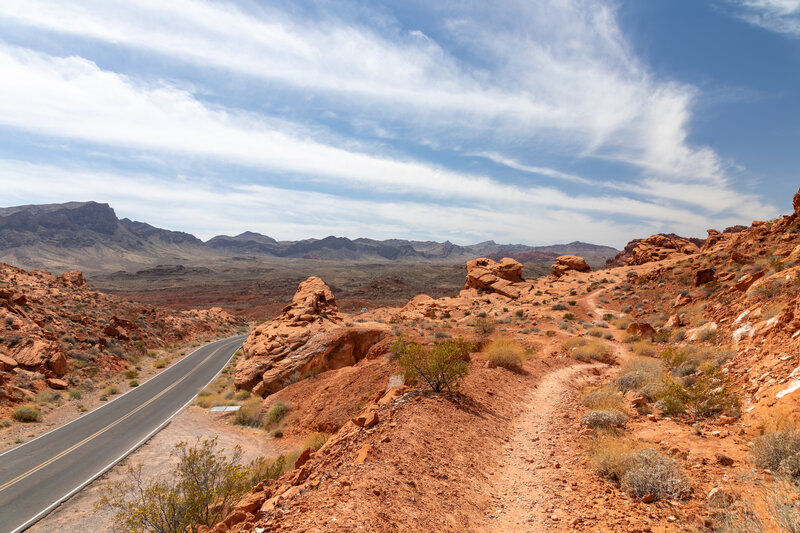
column 38, row 475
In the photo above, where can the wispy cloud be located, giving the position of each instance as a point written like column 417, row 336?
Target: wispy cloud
column 782, row 16
column 555, row 76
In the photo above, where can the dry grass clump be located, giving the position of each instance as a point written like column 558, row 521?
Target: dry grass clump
column 604, row 419
column 637, row 372
column 605, row 398
column 584, row 349
column 779, row 451
column 506, row 352
column 315, row 441
column 648, row 471
column 639, row 471
column 644, row 348
column 622, row 322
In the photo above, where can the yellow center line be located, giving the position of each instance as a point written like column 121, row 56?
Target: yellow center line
column 101, row 431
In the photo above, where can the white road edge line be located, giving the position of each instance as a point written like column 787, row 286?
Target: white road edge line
column 108, row 467
column 106, row 404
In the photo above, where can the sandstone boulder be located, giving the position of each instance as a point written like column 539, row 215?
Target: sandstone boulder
column 565, row 263
column 41, row 355
column 796, row 203
column 309, row 336
column 714, row 237
column 419, row 307
column 58, row 384
column 504, row 278
column 641, row 329
column 74, row 278
column 703, row 276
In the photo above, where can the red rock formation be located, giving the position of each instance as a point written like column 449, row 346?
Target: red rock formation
column 308, row 337
column 565, row 263
column 502, row 278
column 713, row 238
column 654, row 248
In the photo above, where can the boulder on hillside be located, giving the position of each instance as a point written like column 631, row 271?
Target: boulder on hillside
column 565, row 263
column 714, row 237
column 796, row 203
column 503, row 278
column 641, row 329
column 704, row 275
column 74, row 278
column 419, row 307
column 42, row 355
column 309, row 336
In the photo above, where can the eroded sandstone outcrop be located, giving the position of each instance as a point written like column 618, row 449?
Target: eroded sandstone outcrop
column 309, row 336
column 503, row 278
column 655, row 248
column 565, row 263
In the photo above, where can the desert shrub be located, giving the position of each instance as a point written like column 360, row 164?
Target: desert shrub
column 644, row 348
column 595, row 332
column 27, row 413
column 47, row 396
column 276, row 412
column 439, row 335
column 558, row 307
column 483, row 326
column 604, row 398
column 75, row 394
column 5, row 422
column 704, row 398
column 249, row 414
column 203, row 487
column 111, row 390
column 773, row 449
column 131, row 373
column 505, row 352
column 622, row 322
column 652, row 391
column 707, row 334
column 441, row 367
column 315, row 441
column 652, row 367
column 159, row 363
column 604, row 419
column 264, row 468
column 633, row 380
column 133, row 383
column 519, row 313
column 608, row 454
column 673, row 400
column 584, row 349
column 648, row 471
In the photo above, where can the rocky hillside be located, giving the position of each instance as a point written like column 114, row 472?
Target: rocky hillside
column 56, row 332
column 655, row 396
column 89, row 236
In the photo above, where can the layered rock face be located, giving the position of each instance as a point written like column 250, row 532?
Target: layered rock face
column 309, row 336
column 565, row 263
column 655, row 248
column 503, row 278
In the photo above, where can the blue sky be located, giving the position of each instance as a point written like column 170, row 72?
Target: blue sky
column 521, row 121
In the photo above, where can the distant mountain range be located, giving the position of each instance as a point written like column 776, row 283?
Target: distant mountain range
column 89, row 236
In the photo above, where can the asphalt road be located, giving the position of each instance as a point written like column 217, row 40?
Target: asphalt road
column 38, row 475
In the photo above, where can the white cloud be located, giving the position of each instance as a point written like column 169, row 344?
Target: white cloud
column 782, row 16
column 554, row 75
column 73, row 98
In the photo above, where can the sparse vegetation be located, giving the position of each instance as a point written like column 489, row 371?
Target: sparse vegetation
column 441, row 367
column 604, row 420
column 779, row 451
column 584, row 349
column 505, row 352
column 27, row 413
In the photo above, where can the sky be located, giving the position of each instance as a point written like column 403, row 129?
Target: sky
column 523, row 121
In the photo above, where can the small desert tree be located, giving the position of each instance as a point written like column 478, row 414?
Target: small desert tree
column 204, row 487
column 441, row 367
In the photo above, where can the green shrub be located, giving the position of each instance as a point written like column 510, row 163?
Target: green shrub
column 75, row 394
column 441, row 367
column 315, row 441
column 249, row 414
column 27, row 413
column 130, row 374
column 275, row 414
column 483, row 326
column 111, row 390
column 133, row 383
column 159, row 363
